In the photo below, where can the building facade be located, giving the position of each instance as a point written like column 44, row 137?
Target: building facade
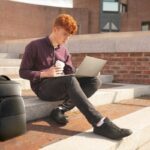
column 116, row 15
column 20, row 20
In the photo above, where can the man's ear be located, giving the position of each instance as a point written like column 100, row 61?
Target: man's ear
column 54, row 29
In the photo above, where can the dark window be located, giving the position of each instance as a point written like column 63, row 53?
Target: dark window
column 145, row 26
column 123, row 8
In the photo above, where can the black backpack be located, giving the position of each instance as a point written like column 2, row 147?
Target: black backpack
column 12, row 109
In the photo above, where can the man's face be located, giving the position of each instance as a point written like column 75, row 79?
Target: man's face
column 61, row 35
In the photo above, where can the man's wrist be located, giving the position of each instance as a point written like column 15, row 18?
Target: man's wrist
column 42, row 74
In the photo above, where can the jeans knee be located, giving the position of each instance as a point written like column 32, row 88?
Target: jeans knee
column 97, row 83
column 70, row 80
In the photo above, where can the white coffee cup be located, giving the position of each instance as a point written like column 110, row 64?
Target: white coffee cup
column 60, row 65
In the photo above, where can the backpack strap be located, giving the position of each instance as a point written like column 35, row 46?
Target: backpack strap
column 4, row 78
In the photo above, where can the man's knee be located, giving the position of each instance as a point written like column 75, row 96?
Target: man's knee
column 96, row 82
column 69, row 80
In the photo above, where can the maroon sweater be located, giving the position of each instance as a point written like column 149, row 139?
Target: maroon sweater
column 40, row 55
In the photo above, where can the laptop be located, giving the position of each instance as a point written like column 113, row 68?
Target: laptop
column 89, row 67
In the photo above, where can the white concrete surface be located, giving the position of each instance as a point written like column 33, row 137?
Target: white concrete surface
column 110, row 42
column 25, row 84
column 145, row 146
column 128, row 91
column 106, row 78
column 138, row 122
column 9, row 70
column 95, row 43
column 9, row 55
column 14, row 46
column 9, row 62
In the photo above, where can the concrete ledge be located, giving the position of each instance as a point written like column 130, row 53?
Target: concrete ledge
column 25, row 84
column 128, row 91
column 36, row 108
column 110, row 42
column 9, row 62
column 9, row 55
column 106, row 78
column 92, row 43
column 14, row 46
column 137, row 122
column 9, row 70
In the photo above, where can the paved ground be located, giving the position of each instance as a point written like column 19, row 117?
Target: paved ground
column 43, row 132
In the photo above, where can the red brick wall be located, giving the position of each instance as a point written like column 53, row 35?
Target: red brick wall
column 126, row 67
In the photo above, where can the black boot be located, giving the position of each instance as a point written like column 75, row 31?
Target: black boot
column 58, row 116
column 110, row 130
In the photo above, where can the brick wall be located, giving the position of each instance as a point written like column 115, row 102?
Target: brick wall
column 126, row 67
column 20, row 20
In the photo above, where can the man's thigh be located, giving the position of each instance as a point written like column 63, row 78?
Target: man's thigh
column 53, row 89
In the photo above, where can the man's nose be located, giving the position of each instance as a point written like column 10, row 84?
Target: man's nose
column 67, row 38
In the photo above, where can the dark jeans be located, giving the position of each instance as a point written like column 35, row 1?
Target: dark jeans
column 75, row 91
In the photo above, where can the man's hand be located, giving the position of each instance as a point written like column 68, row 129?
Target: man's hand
column 51, row 72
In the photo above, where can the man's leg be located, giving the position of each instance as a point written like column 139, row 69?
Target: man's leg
column 54, row 89
column 89, row 86
column 58, row 88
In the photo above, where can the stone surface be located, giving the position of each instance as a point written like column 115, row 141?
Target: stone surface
column 44, row 132
column 136, row 121
column 9, row 70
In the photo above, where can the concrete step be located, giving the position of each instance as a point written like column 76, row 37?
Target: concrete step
column 14, row 46
column 106, row 78
column 36, row 108
column 136, row 121
column 9, row 62
column 9, row 55
column 25, row 84
column 9, row 70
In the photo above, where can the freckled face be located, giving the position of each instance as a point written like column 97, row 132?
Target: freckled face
column 61, row 35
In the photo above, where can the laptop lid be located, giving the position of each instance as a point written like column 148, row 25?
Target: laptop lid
column 90, row 67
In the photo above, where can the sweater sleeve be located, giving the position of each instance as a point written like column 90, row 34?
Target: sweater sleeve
column 27, row 70
column 69, row 68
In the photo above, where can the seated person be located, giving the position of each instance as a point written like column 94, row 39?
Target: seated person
column 40, row 66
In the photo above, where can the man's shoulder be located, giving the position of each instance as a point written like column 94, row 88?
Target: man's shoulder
column 38, row 41
column 34, row 44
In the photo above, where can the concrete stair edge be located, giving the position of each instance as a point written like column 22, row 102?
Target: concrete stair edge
column 9, row 70
column 9, row 55
column 106, row 78
column 9, row 62
column 90, row 141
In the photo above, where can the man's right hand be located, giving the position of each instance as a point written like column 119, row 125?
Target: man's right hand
column 51, row 72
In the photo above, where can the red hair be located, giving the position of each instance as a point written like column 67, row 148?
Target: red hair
column 67, row 22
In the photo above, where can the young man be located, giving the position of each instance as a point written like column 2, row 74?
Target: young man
column 45, row 60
